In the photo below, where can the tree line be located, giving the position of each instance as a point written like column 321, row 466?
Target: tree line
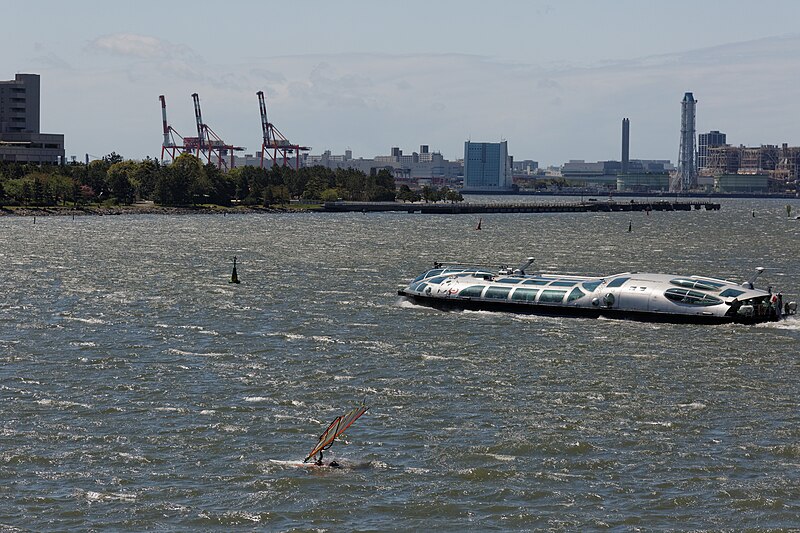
column 187, row 181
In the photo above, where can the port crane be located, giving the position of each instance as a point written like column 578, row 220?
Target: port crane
column 168, row 145
column 275, row 145
column 208, row 144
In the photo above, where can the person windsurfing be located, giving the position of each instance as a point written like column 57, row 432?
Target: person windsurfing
column 335, row 428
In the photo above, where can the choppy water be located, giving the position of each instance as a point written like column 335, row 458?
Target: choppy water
column 141, row 391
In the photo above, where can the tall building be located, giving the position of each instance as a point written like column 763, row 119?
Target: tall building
column 487, row 167
column 20, row 138
column 626, row 144
column 706, row 141
column 686, row 177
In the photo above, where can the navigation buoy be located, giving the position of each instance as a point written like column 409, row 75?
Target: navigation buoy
column 234, row 275
column 754, row 213
column 630, row 226
column 479, row 224
column 788, row 210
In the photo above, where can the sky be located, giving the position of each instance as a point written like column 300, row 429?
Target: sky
column 553, row 78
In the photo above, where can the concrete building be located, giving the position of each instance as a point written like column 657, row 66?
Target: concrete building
column 644, row 173
column 487, row 167
column 20, row 138
column 742, row 183
column 704, row 142
column 414, row 170
column 643, row 182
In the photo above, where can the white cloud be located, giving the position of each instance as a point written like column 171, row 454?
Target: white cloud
column 133, row 45
column 552, row 113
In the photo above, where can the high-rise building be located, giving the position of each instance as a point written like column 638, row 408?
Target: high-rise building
column 626, row 144
column 487, row 167
column 706, row 141
column 686, row 177
column 20, row 138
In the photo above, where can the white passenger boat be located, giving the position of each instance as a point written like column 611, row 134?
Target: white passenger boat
column 629, row 295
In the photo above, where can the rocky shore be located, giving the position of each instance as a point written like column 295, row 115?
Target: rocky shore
column 136, row 209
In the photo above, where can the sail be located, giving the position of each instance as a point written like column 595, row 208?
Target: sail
column 336, row 428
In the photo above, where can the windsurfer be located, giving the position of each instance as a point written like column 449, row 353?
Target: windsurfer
column 332, row 464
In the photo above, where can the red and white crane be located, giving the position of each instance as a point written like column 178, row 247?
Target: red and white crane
column 168, row 145
column 275, row 145
column 209, row 144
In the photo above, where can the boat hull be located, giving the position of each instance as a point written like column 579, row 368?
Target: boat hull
column 457, row 304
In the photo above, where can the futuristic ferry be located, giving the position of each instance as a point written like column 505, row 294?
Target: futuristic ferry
column 630, row 295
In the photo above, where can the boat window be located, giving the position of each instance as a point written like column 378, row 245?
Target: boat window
column 617, row 282
column 420, row 277
column 563, row 283
column 728, row 293
column 551, row 296
column 688, row 297
column 438, row 279
column 497, row 293
column 535, row 282
column 473, row 291
column 509, row 280
column 701, row 284
column 575, row 294
column 591, row 285
column 527, row 295
column 418, row 287
column 433, row 272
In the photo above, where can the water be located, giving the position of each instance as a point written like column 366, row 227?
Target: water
column 141, row 391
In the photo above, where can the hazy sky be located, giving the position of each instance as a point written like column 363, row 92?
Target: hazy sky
column 554, row 78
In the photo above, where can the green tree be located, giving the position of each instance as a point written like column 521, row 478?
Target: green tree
column 144, row 178
column 120, row 178
column 178, row 184
column 405, row 194
column 453, row 195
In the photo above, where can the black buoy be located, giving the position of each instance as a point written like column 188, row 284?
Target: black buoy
column 630, row 226
column 479, row 224
column 234, row 275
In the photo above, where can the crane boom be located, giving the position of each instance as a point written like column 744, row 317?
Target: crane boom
column 167, row 140
column 199, row 117
column 262, row 106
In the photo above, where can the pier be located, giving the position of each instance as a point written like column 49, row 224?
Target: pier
column 470, row 208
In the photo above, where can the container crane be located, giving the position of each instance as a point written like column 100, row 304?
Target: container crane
column 168, row 145
column 208, row 143
column 274, row 143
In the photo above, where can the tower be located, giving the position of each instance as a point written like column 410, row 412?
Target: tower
column 686, row 177
column 626, row 142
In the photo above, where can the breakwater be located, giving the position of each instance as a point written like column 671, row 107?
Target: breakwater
column 471, row 208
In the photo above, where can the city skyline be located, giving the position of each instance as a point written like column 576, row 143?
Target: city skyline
column 553, row 79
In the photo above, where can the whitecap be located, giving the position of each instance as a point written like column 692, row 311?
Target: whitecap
column 255, row 398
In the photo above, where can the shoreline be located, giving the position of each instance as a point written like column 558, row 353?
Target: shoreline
column 137, row 209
